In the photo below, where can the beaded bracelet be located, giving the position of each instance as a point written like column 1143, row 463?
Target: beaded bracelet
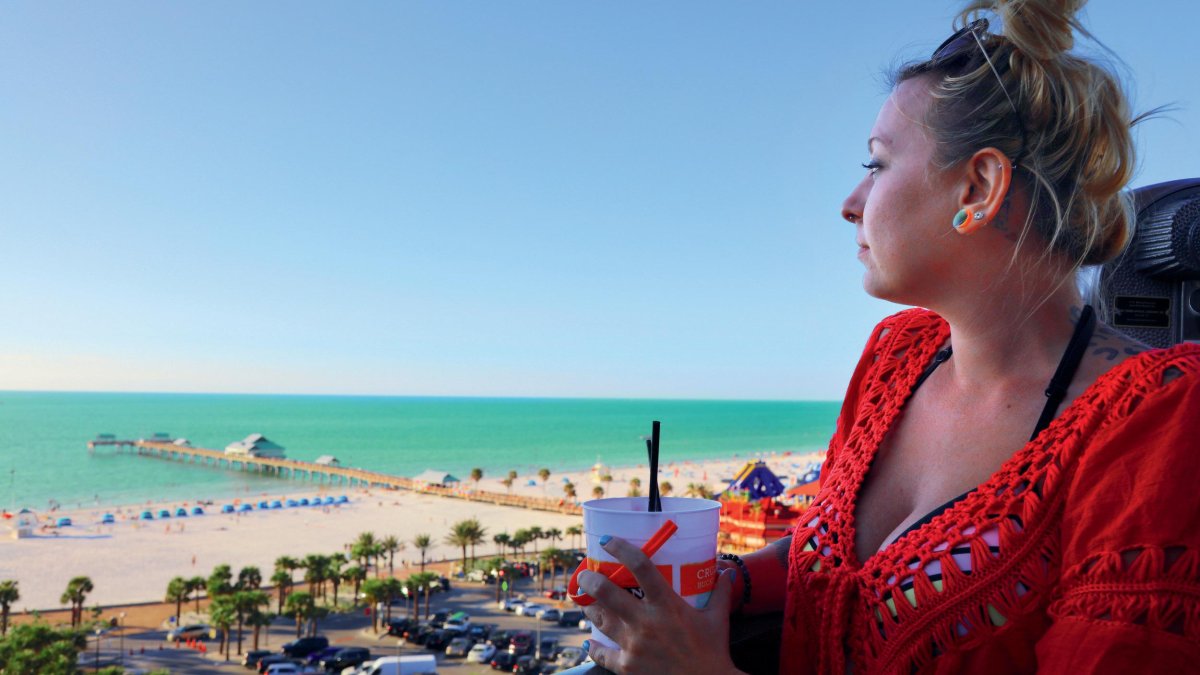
column 745, row 575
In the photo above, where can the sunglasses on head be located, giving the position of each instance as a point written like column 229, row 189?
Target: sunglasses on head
column 962, row 41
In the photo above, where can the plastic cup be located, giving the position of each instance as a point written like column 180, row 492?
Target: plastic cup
column 688, row 559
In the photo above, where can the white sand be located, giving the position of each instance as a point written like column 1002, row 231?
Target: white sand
column 132, row 561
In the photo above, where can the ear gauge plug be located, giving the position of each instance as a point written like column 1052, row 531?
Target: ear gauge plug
column 967, row 221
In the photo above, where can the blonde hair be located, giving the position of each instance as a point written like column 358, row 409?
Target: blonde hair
column 1062, row 119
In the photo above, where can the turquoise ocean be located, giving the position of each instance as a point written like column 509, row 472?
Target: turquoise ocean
column 43, row 437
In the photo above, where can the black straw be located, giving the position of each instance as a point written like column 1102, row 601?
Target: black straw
column 655, row 500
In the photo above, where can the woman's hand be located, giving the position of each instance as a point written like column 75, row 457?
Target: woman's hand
column 659, row 633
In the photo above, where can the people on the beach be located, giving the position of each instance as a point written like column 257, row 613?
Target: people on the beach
column 946, row 537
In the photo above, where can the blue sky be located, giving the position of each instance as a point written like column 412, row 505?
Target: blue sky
column 471, row 198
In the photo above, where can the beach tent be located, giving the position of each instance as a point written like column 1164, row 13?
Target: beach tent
column 181, row 512
column 264, row 504
column 315, row 502
column 108, row 519
column 163, row 513
column 435, row 477
column 63, row 522
column 146, row 515
column 757, row 480
column 228, row 508
column 304, row 501
column 246, row 507
column 276, row 504
column 292, row 502
column 197, row 511
column 340, row 500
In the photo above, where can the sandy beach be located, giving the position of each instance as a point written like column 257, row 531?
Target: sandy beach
column 132, row 561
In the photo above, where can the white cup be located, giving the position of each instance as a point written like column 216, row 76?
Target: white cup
column 688, row 558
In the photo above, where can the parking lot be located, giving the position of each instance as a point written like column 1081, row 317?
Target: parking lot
column 149, row 650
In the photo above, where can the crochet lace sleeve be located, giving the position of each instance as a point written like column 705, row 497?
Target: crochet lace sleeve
column 1129, row 595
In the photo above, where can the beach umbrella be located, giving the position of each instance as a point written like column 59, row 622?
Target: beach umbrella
column 181, row 512
column 328, row 500
column 163, row 513
column 264, row 504
column 292, row 502
column 146, row 515
column 108, row 519
column 228, row 508
column 246, row 507
column 315, row 502
column 197, row 511
column 304, row 501
column 63, row 522
column 277, row 504
column 342, row 499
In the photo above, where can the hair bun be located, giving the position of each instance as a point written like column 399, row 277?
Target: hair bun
column 1041, row 29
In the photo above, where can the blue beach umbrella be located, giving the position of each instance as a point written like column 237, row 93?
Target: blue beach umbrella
column 108, row 519
column 264, row 505
column 181, row 512
column 304, row 501
column 292, row 502
column 228, row 508
column 315, row 502
column 246, row 507
column 197, row 511
column 277, row 504
column 343, row 499
column 327, row 500
column 63, row 522
column 146, row 515
column 163, row 513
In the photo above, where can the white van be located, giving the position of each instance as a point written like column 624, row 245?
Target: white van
column 415, row 664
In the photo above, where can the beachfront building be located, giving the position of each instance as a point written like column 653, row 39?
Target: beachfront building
column 432, row 477
column 23, row 523
column 255, row 445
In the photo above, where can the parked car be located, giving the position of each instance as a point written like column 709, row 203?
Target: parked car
column 480, row 631
column 521, row 644
column 503, row 661
column 556, row 594
column 298, row 649
column 549, row 614
column 348, row 657
column 499, row 638
column 571, row 617
column 527, row 665
column 459, row 646
column 417, row 635
column 283, row 669
column 438, row 620
column 438, row 640
column 511, row 604
column 547, row 649
column 408, row 664
column 396, row 627
column 456, row 625
column 194, row 631
column 481, row 653
column 252, row 657
column 274, row 659
column 316, row 657
column 569, row 657
column 529, row 609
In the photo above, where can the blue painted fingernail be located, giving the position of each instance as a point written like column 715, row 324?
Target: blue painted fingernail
column 733, row 574
column 605, row 539
column 587, row 645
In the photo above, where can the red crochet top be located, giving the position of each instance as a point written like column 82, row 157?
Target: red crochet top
column 1080, row 554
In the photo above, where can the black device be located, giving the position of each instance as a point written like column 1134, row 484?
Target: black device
column 1152, row 291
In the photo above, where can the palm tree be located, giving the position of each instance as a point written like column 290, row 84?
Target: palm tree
column 249, row 579
column 512, row 475
column 8, row 595
column 699, row 490
column 195, row 585
column 333, row 571
column 554, row 535
column 544, row 474
column 569, row 490
column 425, row 581
column 597, row 492
column 222, row 614
column 376, row 592
column 477, row 475
column 220, row 581
column 573, row 532
column 391, row 545
column 75, row 595
column 535, row 534
column 460, row 536
column 392, row 589
column 422, row 542
column 508, row 483
column 362, row 548
column 475, row 534
column 244, row 604
column 287, row 564
column 283, row 581
column 665, row 487
column 548, row 559
column 300, row 605
column 356, row 575
column 258, row 620
column 316, row 572
column 502, row 541
column 177, row 592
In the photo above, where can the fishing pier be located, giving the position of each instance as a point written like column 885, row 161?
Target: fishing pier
column 294, row 469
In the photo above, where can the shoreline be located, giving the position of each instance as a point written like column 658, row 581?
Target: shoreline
column 132, row 561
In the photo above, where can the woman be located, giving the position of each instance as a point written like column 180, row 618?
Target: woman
column 1009, row 488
